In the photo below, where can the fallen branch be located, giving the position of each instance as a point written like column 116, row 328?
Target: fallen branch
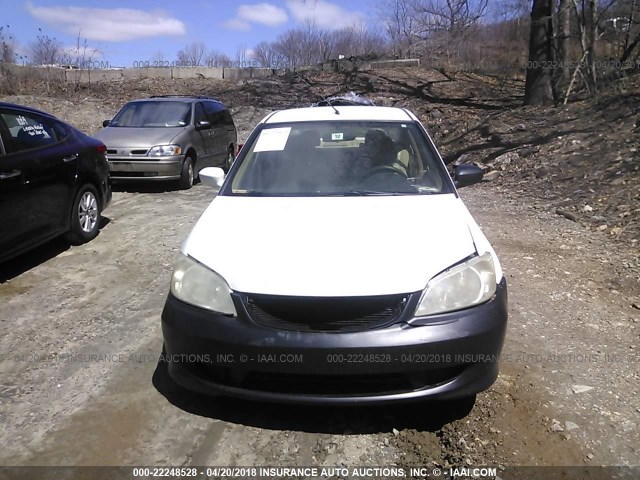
column 567, row 215
column 573, row 78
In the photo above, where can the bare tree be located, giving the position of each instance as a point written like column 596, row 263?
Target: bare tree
column 326, row 45
column 538, row 86
column 451, row 20
column 432, row 27
column 215, row 58
column 311, row 45
column 241, row 56
column 620, row 29
column 266, row 55
column 398, row 17
column 289, row 47
column 588, row 15
column 46, row 50
column 158, row 58
column 591, row 28
column 563, row 36
column 343, row 42
column 192, row 54
column 7, row 46
column 82, row 54
column 633, row 23
column 366, row 41
column 452, row 16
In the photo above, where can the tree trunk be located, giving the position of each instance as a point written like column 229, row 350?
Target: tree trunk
column 627, row 38
column 538, row 86
column 629, row 49
column 564, row 32
column 592, row 32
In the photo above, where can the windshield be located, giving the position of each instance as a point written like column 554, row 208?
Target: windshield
column 338, row 158
column 153, row 114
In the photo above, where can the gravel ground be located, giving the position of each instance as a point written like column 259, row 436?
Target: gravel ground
column 567, row 392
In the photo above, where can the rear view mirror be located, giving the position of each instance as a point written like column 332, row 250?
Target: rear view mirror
column 343, row 136
column 467, row 174
column 213, row 177
column 106, row 123
column 203, row 125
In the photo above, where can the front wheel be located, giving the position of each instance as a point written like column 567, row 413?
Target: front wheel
column 229, row 161
column 85, row 215
column 186, row 175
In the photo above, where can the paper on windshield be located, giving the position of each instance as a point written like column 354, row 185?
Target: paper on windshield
column 272, row 139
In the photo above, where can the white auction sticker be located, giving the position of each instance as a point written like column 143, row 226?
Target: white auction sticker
column 272, row 139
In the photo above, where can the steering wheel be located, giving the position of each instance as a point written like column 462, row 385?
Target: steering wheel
column 382, row 169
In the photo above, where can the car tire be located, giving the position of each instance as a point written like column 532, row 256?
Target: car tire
column 187, row 174
column 229, row 161
column 85, row 215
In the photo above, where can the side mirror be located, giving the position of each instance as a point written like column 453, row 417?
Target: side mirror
column 203, row 125
column 213, row 177
column 106, row 123
column 466, row 174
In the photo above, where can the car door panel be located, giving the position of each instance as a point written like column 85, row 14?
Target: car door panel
column 202, row 138
column 36, row 181
column 219, row 133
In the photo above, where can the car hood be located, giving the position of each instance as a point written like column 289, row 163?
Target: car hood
column 114, row 137
column 331, row 246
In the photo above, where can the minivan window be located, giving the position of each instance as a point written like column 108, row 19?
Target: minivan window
column 227, row 119
column 214, row 113
column 338, row 158
column 199, row 115
column 153, row 114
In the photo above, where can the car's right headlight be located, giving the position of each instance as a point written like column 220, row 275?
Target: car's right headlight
column 164, row 150
column 470, row 283
column 197, row 285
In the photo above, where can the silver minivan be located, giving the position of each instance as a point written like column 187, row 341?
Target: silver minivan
column 169, row 137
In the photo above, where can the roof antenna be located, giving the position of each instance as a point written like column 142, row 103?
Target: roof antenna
column 325, row 101
column 332, row 106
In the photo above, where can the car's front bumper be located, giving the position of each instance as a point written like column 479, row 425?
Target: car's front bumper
column 156, row 168
column 450, row 356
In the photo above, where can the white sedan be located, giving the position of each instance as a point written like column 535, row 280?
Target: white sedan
column 337, row 265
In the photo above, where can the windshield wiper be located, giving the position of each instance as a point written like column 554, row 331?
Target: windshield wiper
column 349, row 193
column 364, row 193
column 259, row 193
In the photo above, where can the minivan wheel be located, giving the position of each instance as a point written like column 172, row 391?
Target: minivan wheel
column 85, row 215
column 229, row 162
column 187, row 175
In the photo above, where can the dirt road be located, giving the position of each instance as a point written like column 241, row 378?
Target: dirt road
column 81, row 383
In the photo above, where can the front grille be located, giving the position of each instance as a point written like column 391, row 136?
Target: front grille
column 329, row 314
column 114, row 151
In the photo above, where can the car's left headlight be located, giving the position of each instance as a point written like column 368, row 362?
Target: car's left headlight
column 470, row 283
column 164, row 150
column 194, row 283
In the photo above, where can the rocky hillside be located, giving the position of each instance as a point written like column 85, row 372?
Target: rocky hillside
column 581, row 160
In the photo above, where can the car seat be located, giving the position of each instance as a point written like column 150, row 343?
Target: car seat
column 382, row 152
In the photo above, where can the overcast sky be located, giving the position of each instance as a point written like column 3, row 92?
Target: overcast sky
column 125, row 32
